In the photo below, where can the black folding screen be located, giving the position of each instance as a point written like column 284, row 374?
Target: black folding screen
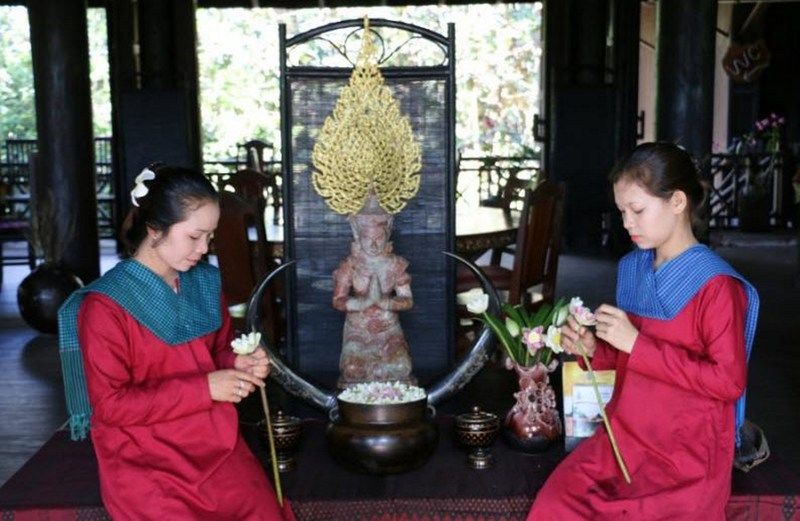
column 319, row 239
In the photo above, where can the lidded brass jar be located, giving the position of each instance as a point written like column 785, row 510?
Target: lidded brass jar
column 476, row 431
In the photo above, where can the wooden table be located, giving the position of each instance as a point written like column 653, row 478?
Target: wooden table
column 481, row 228
column 478, row 228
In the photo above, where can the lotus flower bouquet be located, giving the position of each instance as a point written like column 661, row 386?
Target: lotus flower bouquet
column 531, row 342
column 527, row 338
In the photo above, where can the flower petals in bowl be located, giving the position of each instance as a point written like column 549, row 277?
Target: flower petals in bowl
column 382, row 393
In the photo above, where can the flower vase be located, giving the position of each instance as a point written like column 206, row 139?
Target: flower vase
column 533, row 423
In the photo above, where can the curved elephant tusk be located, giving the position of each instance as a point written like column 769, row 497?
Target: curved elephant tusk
column 478, row 353
column 283, row 374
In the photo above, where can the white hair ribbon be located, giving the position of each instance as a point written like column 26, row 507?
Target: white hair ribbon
column 140, row 189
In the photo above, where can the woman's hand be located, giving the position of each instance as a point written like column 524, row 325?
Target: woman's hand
column 256, row 363
column 614, row 327
column 231, row 385
column 572, row 332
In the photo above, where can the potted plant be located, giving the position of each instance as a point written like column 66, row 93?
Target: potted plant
column 41, row 293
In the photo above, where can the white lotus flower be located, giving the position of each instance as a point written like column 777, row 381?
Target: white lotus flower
column 552, row 339
column 478, row 303
column 463, row 297
column 246, row 344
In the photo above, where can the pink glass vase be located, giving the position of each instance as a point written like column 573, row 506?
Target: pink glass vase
column 533, row 423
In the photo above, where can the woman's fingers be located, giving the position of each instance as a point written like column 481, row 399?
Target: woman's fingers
column 260, row 371
column 568, row 333
column 242, row 383
column 247, row 377
column 607, row 312
column 573, row 324
column 259, row 364
column 240, row 386
column 606, row 308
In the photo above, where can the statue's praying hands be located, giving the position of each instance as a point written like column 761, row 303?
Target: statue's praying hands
column 373, row 297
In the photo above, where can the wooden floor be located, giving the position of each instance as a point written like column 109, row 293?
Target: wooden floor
column 31, row 395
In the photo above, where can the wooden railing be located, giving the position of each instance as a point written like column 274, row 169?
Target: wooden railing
column 482, row 178
column 734, row 176
column 487, row 179
column 15, row 181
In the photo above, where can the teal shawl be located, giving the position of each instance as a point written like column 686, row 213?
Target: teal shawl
column 175, row 318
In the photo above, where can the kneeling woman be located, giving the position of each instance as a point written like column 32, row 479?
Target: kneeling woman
column 679, row 343
column 146, row 355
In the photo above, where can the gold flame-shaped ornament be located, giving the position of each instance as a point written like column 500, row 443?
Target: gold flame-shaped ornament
column 366, row 144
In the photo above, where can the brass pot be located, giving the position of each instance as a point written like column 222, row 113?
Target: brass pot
column 382, row 439
column 477, row 431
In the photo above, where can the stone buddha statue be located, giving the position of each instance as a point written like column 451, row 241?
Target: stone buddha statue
column 372, row 285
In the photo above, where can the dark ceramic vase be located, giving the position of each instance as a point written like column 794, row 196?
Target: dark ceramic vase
column 754, row 208
column 42, row 292
column 382, row 439
column 533, row 423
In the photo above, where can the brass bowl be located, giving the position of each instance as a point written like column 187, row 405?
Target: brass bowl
column 382, row 438
column 286, row 431
column 476, row 431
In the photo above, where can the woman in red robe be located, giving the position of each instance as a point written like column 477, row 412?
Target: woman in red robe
column 679, row 346
column 161, row 379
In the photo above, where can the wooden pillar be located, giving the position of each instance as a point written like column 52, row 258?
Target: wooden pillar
column 155, row 88
column 591, row 77
column 627, row 22
column 60, row 49
column 685, row 73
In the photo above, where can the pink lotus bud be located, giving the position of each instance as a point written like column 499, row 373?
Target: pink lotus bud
column 533, row 338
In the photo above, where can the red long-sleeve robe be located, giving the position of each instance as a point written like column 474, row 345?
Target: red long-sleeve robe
column 672, row 413
column 164, row 449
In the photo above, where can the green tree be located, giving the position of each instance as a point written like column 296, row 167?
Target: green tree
column 498, row 56
column 17, row 95
column 17, row 113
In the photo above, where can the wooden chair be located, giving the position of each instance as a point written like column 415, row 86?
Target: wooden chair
column 244, row 257
column 250, row 185
column 15, row 226
column 255, row 152
column 511, row 198
column 537, row 249
column 15, row 229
